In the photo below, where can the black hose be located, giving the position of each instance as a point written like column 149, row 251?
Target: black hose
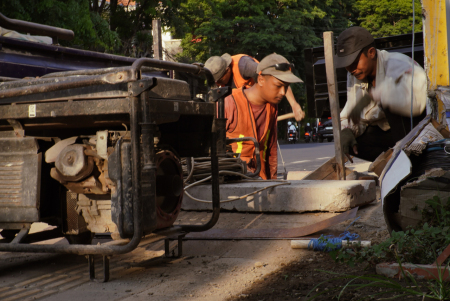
column 435, row 155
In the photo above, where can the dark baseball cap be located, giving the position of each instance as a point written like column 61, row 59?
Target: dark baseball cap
column 217, row 65
column 279, row 67
column 349, row 44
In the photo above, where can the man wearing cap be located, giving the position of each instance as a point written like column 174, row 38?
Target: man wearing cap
column 378, row 109
column 252, row 112
column 240, row 70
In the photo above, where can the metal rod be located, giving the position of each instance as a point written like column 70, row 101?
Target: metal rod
column 35, row 28
column 20, row 236
column 195, row 69
column 92, row 71
column 43, row 85
column 148, row 176
column 215, row 192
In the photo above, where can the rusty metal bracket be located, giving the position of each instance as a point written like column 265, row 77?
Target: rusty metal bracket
column 136, row 88
column 215, row 94
column 91, row 265
column 18, row 129
column 180, row 246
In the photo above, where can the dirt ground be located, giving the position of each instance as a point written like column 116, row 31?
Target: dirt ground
column 207, row 270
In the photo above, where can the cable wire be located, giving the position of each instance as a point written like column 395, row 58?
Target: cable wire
column 234, row 199
column 412, row 62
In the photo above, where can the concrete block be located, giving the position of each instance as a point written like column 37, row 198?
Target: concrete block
column 299, row 196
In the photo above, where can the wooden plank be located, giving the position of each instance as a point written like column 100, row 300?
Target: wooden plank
column 333, row 94
column 285, row 116
column 326, row 171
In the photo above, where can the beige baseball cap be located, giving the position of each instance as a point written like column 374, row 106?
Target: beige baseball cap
column 279, row 67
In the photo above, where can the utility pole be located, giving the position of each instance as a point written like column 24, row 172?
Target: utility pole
column 157, row 41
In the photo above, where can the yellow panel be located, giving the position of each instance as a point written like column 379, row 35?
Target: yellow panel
column 435, row 38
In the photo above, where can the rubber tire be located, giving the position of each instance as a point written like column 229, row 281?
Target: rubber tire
column 329, row 139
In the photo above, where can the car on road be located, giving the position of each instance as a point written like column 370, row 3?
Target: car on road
column 325, row 130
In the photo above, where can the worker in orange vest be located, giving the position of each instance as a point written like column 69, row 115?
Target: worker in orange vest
column 251, row 111
column 240, row 70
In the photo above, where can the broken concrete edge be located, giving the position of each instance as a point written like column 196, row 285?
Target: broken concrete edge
column 299, row 196
column 418, row 271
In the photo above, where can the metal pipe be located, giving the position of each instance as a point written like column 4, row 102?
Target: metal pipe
column 137, row 212
column 128, row 74
column 92, row 71
column 43, row 85
column 35, row 28
column 258, row 156
column 195, row 69
column 148, row 165
column 8, row 79
column 215, row 192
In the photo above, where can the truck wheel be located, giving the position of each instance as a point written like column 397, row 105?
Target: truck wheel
column 329, row 139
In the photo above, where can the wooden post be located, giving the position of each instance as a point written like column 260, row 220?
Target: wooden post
column 157, row 41
column 333, row 94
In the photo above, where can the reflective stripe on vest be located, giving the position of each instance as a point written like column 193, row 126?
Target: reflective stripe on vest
column 239, row 145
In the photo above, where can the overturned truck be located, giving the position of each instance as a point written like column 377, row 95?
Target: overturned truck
column 91, row 143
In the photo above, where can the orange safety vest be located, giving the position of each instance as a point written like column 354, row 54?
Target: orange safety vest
column 244, row 128
column 239, row 81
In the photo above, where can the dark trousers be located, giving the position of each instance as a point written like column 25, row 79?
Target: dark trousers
column 374, row 140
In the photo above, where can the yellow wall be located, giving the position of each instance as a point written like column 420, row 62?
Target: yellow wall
column 435, row 40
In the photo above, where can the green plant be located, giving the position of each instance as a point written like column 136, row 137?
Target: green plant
column 419, row 245
column 436, row 289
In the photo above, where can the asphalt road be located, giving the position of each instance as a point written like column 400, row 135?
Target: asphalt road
column 306, row 156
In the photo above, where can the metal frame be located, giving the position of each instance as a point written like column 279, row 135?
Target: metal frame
column 130, row 74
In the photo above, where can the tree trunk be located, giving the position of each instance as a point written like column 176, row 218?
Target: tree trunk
column 113, row 9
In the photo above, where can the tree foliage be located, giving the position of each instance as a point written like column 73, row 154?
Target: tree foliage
column 111, row 26
column 91, row 31
column 259, row 28
column 389, row 17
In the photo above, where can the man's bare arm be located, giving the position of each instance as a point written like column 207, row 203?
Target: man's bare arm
column 298, row 112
